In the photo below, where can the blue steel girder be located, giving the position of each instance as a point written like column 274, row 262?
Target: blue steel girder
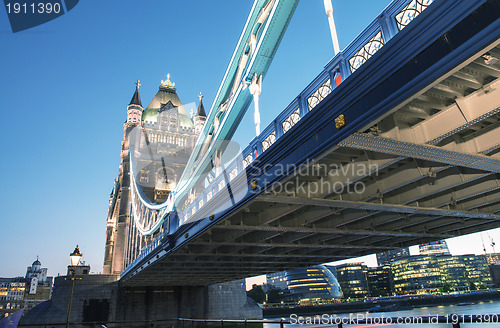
column 234, row 98
column 414, row 58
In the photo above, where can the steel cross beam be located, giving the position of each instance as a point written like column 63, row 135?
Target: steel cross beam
column 327, row 231
column 377, row 207
column 369, row 142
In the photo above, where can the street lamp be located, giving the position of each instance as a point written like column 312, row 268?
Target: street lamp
column 75, row 256
column 75, row 261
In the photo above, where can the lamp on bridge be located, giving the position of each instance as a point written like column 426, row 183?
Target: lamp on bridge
column 76, row 266
column 75, row 256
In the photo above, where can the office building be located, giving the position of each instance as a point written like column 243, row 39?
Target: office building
column 379, row 281
column 352, row 279
column 416, row 275
column 315, row 282
column 439, row 247
column 11, row 295
column 387, row 257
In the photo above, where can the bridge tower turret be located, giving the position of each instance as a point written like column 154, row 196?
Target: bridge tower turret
column 134, row 109
column 119, row 206
column 200, row 117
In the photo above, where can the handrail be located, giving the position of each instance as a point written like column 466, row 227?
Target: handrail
column 455, row 320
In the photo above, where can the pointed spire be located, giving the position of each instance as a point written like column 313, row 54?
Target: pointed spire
column 136, row 99
column 201, row 110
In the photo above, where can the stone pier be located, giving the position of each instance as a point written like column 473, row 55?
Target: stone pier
column 100, row 298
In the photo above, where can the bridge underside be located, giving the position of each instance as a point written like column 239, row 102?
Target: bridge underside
column 428, row 169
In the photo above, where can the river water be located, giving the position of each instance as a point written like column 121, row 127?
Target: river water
column 323, row 320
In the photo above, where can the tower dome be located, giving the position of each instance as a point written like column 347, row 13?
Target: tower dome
column 36, row 265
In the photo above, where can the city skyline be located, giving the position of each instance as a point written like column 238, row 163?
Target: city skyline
column 66, row 103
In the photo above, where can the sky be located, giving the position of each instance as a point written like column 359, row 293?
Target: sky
column 65, row 86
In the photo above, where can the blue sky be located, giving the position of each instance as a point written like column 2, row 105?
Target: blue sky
column 65, row 86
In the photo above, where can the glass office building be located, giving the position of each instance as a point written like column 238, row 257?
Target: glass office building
column 477, row 270
column 453, row 273
column 315, row 282
column 352, row 279
column 416, row 275
column 277, row 280
column 439, row 247
column 379, row 281
column 387, row 257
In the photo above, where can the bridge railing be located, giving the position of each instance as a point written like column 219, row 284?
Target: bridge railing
column 397, row 15
column 452, row 320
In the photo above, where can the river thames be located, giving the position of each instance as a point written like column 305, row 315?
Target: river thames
column 454, row 312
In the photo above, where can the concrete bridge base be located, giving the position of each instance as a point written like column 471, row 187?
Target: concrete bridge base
column 100, row 299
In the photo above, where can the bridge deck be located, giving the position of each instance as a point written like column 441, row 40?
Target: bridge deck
column 421, row 144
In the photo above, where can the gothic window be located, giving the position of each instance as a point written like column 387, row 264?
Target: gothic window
column 173, row 121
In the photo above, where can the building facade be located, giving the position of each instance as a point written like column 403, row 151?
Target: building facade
column 416, row 275
column 453, row 273
column 352, row 279
column 38, row 285
column 277, row 279
column 439, row 247
column 11, row 295
column 478, row 272
column 444, row 273
column 379, row 281
column 387, row 257
column 162, row 136
column 312, row 283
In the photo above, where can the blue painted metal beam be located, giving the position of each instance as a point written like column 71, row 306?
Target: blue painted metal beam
column 233, row 92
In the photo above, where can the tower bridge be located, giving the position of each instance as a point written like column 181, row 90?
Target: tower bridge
column 396, row 142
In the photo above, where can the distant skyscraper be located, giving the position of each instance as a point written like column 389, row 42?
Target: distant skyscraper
column 386, row 258
column 434, row 248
